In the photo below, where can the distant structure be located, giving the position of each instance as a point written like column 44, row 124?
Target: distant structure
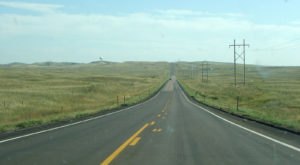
column 101, row 60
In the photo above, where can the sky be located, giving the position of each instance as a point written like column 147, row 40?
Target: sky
column 150, row 30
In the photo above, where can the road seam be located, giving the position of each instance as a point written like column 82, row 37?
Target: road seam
column 244, row 128
column 111, row 157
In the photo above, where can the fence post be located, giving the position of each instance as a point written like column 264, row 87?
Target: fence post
column 237, row 102
column 118, row 100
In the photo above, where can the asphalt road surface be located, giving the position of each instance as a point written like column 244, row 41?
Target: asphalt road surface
column 168, row 129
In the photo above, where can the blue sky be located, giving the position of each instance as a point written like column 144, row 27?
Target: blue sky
column 156, row 30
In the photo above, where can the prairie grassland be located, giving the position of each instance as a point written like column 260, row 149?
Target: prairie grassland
column 271, row 94
column 49, row 92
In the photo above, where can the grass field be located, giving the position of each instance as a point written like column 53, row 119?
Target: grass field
column 48, row 92
column 271, row 94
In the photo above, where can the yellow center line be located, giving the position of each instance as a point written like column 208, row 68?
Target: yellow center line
column 165, row 108
column 111, row 157
column 152, row 123
column 157, row 130
column 135, row 141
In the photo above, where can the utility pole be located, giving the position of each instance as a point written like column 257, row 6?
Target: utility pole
column 202, row 72
column 204, row 64
column 244, row 52
column 192, row 69
column 236, row 56
column 207, row 71
column 234, row 52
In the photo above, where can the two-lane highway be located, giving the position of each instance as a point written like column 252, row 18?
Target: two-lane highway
column 167, row 129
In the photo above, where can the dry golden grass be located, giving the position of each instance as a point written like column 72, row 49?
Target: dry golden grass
column 271, row 94
column 49, row 92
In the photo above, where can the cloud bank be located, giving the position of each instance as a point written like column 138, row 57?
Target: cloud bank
column 43, row 8
column 168, row 35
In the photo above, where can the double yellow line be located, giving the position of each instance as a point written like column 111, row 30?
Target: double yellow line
column 132, row 139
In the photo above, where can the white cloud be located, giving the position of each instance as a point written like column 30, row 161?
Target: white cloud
column 175, row 13
column 161, row 35
column 37, row 7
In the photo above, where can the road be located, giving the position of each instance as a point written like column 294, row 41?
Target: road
column 167, row 129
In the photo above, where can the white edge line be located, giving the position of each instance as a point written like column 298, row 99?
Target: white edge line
column 76, row 123
column 244, row 128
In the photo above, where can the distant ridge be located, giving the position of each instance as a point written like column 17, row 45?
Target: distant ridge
column 49, row 63
column 18, row 64
column 102, row 62
column 13, row 64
